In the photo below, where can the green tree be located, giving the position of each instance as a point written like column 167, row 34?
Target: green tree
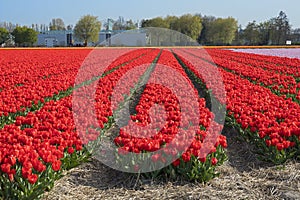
column 4, row 35
column 130, row 25
column 57, row 25
column 280, row 29
column 238, row 38
column 222, row 31
column 155, row 22
column 251, row 34
column 264, row 33
column 87, row 29
column 156, row 35
column 24, row 36
column 190, row 25
column 295, row 36
column 172, row 22
column 207, row 22
column 121, row 24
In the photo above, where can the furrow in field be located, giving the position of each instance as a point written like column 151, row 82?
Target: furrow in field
column 171, row 119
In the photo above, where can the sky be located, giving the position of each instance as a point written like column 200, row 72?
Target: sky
column 27, row 12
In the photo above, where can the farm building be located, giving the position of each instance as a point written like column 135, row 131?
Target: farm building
column 55, row 38
column 123, row 38
column 106, row 38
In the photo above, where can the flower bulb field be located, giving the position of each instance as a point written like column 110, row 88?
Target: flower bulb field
column 62, row 108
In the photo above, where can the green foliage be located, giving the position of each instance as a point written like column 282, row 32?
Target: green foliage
column 251, row 34
column 25, row 36
column 263, row 151
column 87, row 29
column 190, row 25
column 264, row 32
column 155, row 22
column 4, row 35
column 274, row 31
column 173, row 22
column 20, row 188
column 121, row 24
column 157, row 35
column 221, row 31
column 208, row 30
column 57, row 24
column 279, row 29
column 206, row 25
column 196, row 169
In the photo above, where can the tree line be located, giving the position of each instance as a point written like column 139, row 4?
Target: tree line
column 20, row 36
column 207, row 30
column 277, row 30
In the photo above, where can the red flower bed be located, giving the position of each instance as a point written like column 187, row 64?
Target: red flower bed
column 37, row 74
column 280, row 79
column 177, row 127
column 50, row 133
column 104, row 89
column 208, row 74
column 275, row 120
column 37, row 146
column 274, row 61
column 168, row 121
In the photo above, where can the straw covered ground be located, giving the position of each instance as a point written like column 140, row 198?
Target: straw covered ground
column 243, row 176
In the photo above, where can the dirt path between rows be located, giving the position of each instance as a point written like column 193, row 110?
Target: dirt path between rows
column 243, row 176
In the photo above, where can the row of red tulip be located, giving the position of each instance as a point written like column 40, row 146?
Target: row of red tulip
column 277, row 82
column 106, row 94
column 285, row 77
column 284, row 68
column 208, row 75
column 50, row 133
column 41, row 138
column 167, row 119
column 273, row 118
column 20, row 68
column 61, row 71
column 102, row 61
column 273, row 60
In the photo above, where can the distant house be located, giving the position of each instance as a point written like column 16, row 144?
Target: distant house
column 123, row 38
column 55, row 38
column 106, row 38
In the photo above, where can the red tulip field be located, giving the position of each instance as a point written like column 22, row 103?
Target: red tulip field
column 180, row 101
